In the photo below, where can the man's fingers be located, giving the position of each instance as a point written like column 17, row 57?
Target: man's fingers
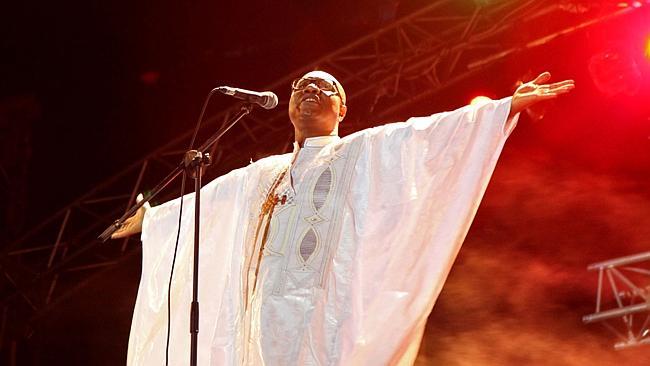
column 118, row 234
column 563, row 84
column 127, row 229
column 550, row 94
column 133, row 224
column 537, row 90
column 548, row 90
column 542, row 78
column 563, row 89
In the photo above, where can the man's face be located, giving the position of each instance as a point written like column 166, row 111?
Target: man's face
column 316, row 105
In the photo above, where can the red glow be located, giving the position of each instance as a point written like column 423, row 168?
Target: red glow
column 150, row 77
column 615, row 73
column 481, row 99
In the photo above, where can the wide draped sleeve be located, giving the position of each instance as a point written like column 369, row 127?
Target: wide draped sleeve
column 222, row 216
column 415, row 190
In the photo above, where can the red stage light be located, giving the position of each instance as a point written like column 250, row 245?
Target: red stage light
column 634, row 4
column 481, row 99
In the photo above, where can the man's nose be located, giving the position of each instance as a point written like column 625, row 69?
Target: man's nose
column 312, row 88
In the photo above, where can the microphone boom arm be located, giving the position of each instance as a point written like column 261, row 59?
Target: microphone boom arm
column 204, row 148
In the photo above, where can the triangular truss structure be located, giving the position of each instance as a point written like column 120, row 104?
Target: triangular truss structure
column 399, row 65
column 629, row 286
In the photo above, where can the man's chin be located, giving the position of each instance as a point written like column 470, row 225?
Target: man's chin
column 310, row 112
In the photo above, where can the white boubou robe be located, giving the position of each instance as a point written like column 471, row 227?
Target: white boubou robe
column 346, row 265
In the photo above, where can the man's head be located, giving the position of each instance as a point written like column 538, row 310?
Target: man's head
column 317, row 105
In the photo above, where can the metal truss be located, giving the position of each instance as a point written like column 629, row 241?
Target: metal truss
column 397, row 66
column 629, row 285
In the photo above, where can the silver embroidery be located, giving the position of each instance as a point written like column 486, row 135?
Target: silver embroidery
column 322, row 189
column 308, row 245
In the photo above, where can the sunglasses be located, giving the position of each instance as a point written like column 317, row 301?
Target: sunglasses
column 327, row 87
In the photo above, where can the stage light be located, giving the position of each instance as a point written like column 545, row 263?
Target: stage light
column 634, row 4
column 647, row 48
column 479, row 100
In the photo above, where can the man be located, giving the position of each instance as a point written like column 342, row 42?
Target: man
column 331, row 255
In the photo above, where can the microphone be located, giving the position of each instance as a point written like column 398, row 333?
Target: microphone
column 266, row 100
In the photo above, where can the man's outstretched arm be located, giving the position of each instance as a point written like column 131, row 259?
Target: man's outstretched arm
column 537, row 91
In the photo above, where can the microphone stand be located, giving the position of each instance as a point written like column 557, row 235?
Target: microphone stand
column 193, row 161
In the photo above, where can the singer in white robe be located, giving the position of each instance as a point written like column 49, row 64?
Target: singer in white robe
column 331, row 255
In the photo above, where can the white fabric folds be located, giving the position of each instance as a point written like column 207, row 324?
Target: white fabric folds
column 346, row 267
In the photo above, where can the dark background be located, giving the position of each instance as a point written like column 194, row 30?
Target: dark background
column 88, row 87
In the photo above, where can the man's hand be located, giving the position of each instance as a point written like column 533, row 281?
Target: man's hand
column 536, row 91
column 133, row 224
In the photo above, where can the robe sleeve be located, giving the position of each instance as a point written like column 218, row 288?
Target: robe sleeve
column 416, row 188
column 222, row 202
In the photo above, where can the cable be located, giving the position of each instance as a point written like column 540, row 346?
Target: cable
column 198, row 123
column 171, row 274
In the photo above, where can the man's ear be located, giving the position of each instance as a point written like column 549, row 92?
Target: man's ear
column 342, row 111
